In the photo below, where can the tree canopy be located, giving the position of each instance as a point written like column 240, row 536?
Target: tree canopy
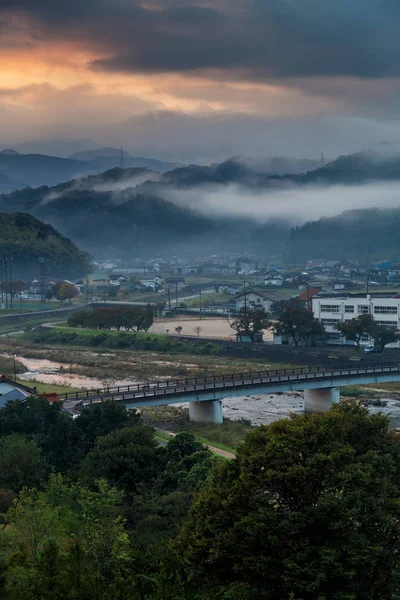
column 300, row 325
column 310, row 509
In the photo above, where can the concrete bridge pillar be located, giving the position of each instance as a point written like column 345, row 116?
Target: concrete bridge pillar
column 320, row 400
column 208, row 411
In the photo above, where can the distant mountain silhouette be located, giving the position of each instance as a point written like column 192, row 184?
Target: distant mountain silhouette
column 107, row 158
column 364, row 234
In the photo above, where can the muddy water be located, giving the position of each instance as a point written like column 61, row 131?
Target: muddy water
column 48, row 371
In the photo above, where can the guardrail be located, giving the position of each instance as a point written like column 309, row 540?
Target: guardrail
column 232, row 380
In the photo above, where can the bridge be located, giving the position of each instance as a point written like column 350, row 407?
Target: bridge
column 205, row 394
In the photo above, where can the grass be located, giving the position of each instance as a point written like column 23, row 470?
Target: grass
column 45, row 388
column 355, row 391
column 227, row 436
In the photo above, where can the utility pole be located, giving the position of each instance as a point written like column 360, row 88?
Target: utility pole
column 1, row 282
column 42, row 280
column 169, row 298
column 200, row 303
column 176, row 293
column 5, row 262
column 11, row 287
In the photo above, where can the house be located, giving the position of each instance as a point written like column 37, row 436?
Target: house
column 246, row 266
column 154, row 282
column 273, row 278
column 214, row 269
column 11, row 390
column 184, row 270
column 117, row 280
column 258, row 299
column 307, row 294
column 96, row 279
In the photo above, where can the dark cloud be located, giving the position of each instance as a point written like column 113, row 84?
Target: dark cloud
column 256, row 39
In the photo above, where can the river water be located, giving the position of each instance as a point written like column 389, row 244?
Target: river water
column 260, row 409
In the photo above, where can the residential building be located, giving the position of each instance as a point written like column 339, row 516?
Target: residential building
column 96, row 279
column 273, row 278
column 214, row 269
column 154, row 282
column 184, row 270
column 246, row 266
column 258, row 299
column 11, row 390
column 331, row 310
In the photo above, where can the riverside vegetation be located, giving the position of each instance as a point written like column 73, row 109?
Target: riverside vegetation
column 93, row 508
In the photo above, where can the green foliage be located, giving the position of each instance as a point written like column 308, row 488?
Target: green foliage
column 68, row 291
column 354, row 329
column 130, row 318
column 121, row 340
column 55, row 432
column 101, row 419
column 353, row 234
column 251, row 321
column 300, row 325
column 126, row 458
column 21, row 463
column 309, row 508
column 26, row 239
column 382, row 336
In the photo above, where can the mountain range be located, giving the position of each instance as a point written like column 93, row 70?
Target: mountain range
column 135, row 211
column 18, row 171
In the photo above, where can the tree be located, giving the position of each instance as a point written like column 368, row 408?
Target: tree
column 251, row 321
column 355, row 329
column 126, row 458
column 309, row 509
column 21, row 463
column 197, row 330
column 68, row 291
column 101, row 419
column 55, row 432
column 48, row 294
column 300, row 325
column 179, row 329
column 382, row 336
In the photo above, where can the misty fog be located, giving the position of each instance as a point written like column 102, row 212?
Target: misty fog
column 295, row 205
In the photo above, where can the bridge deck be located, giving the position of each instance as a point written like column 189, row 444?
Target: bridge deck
column 202, row 388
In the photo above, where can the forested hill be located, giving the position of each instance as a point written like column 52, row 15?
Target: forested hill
column 355, row 234
column 25, row 239
column 108, row 216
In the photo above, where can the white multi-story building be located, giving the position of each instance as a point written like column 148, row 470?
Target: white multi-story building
column 333, row 310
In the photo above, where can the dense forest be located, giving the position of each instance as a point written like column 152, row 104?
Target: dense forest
column 98, row 508
column 135, row 211
column 25, row 240
column 356, row 234
column 126, row 221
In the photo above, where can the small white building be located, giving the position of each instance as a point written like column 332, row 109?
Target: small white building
column 333, row 310
column 274, row 279
column 257, row 299
column 152, row 282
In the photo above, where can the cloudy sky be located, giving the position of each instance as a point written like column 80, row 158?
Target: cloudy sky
column 199, row 80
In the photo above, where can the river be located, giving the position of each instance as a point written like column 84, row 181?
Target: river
column 259, row 409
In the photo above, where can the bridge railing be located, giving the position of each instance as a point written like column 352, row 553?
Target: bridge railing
column 232, row 378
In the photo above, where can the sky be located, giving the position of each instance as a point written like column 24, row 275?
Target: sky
column 200, row 80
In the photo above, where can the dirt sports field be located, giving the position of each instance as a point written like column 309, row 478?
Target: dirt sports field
column 210, row 328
